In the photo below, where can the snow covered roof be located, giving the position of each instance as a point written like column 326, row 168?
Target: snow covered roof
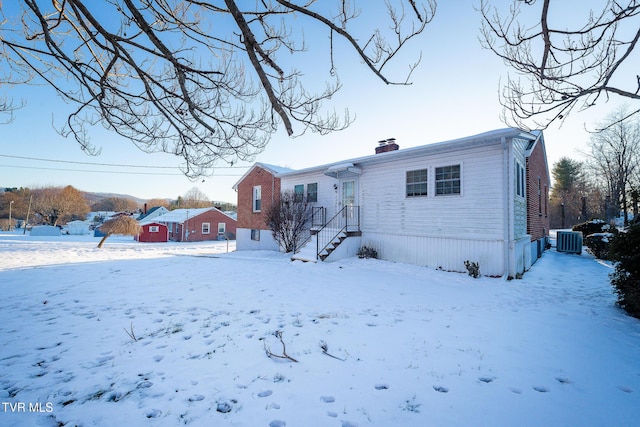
column 275, row 170
column 486, row 138
column 181, row 215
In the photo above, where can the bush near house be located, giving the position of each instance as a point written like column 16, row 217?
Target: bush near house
column 598, row 235
column 626, row 276
column 367, row 252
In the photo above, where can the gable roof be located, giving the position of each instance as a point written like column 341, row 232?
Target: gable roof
column 479, row 140
column 150, row 211
column 272, row 169
column 181, row 215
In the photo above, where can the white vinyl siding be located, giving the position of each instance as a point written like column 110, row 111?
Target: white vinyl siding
column 477, row 213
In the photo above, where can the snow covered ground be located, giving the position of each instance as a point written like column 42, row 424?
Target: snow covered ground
column 178, row 333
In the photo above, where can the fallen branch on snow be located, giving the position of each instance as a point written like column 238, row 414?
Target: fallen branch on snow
column 325, row 350
column 131, row 334
column 284, row 354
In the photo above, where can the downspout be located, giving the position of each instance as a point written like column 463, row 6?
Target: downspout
column 507, row 196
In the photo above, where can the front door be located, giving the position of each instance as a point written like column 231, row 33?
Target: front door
column 349, row 201
column 348, row 193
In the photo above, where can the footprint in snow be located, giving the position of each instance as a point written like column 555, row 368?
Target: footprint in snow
column 265, row 393
column 563, row 380
column 277, row 423
column 332, row 414
column 541, row 389
column 327, row 399
column 196, row 398
column 440, row 389
column 153, row 413
column 515, row 390
column 381, row 386
column 486, row 380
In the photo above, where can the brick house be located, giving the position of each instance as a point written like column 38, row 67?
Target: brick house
column 196, row 225
column 538, row 183
column 257, row 190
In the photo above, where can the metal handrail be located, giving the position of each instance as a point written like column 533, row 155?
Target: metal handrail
column 338, row 224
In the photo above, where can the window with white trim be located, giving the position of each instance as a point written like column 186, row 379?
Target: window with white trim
column 539, row 196
column 312, row 192
column 255, row 235
column 206, row 228
column 298, row 193
column 222, row 227
column 520, row 184
column 448, row 180
column 417, row 183
column 257, row 198
column 154, row 229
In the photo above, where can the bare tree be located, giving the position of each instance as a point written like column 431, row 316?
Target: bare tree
column 56, row 204
column 158, row 202
column 123, row 224
column 615, row 159
column 115, row 204
column 195, row 198
column 205, row 80
column 288, row 219
column 563, row 68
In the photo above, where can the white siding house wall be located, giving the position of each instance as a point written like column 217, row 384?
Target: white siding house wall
column 485, row 223
column 437, row 231
column 266, row 242
column 522, row 252
column 327, row 196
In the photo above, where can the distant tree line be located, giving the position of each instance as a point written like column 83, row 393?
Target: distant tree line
column 607, row 183
column 59, row 205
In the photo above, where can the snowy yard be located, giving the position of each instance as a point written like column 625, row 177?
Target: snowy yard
column 177, row 333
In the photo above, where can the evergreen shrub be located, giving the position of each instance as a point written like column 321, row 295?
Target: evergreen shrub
column 625, row 252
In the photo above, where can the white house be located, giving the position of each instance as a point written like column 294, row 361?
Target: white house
column 78, row 227
column 436, row 205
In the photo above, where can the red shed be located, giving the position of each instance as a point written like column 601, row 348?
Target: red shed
column 153, row 232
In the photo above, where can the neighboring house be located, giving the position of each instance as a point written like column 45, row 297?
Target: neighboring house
column 257, row 190
column 436, row 205
column 195, row 225
column 152, row 213
column 78, row 228
column 153, row 232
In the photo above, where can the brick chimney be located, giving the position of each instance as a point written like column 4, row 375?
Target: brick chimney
column 387, row 145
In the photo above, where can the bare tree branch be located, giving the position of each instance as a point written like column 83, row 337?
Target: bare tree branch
column 206, row 81
column 560, row 68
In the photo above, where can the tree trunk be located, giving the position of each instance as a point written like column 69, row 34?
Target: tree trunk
column 103, row 239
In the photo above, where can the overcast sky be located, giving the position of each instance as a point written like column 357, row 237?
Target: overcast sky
column 454, row 94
